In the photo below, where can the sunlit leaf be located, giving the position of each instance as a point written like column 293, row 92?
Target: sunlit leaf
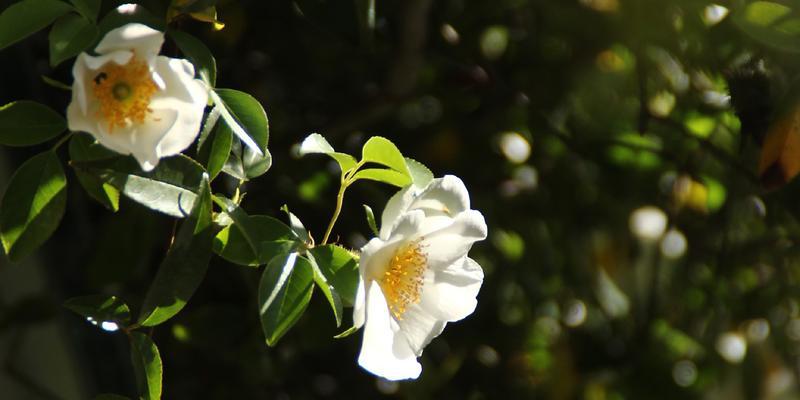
column 33, row 205
column 382, row 151
column 316, row 144
column 327, row 289
column 283, row 294
column 146, row 365
column 371, row 220
column 385, row 176
column 100, row 308
column 268, row 235
column 245, row 116
column 340, row 268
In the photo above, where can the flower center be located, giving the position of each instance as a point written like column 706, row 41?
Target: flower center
column 124, row 92
column 402, row 281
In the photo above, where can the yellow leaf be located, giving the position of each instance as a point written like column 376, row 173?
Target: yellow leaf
column 780, row 155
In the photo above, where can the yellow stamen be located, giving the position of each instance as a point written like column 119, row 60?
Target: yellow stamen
column 402, row 281
column 124, row 93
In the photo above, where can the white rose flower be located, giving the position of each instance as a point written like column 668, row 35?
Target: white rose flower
column 416, row 277
column 134, row 101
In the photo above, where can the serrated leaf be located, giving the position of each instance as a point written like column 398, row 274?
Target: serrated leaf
column 198, row 53
column 340, row 268
column 316, row 144
column 185, row 265
column 382, row 151
column 87, row 8
column 70, row 35
column 268, row 235
column 169, row 188
column 388, row 176
column 283, row 294
column 100, row 308
column 27, row 17
column 27, row 123
column 245, row 116
column 83, row 148
column 421, row 176
column 327, row 288
column 33, row 205
column 146, row 365
column 373, row 226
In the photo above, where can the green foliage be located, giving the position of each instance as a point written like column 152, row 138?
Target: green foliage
column 214, row 155
column 27, row 17
column 245, row 116
column 33, row 205
column 100, row 308
column 316, row 144
column 340, row 268
column 146, row 365
column 70, row 35
column 253, row 240
column 382, row 151
column 184, row 266
column 373, row 226
column 88, row 8
column 770, row 23
column 83, row 148
column 169, row 188
column 283, row 294
column 26, row 123
column 197, row 52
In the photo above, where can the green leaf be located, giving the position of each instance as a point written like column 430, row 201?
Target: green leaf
column 33, row 205
column 169, row 188
column 245, row 116
column 421, row 176
column 316, row 144
column 83, row 148
column 87, row 8
column 384, row 175
column 28, row 17
column 56, row 83
column 70, row 35
column 133, row 13
column 100, row 308
column 268, row 235
column 198, row 53
column 770, row 23
column 327, row 289
column 283, row 294
column 255, row 164
column 371, row 220
column 215, row 155
column 146, row 365
column 27, row 123
column 297, row 225
column 340, row 268
column 382, row 151
column 184, row 266
column 348, row 332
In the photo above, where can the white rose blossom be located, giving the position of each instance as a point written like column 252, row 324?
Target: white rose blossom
column 134, row 101
column 416, row 276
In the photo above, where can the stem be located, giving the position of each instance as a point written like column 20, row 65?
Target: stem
column 62, row 140
column 339, row 201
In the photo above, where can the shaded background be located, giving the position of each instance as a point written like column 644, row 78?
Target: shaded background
column 576, row 125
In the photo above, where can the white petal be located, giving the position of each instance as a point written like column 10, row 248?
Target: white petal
column 396, row 205
column 376, row 254
column 77, row 121
column 385, row 351
column 119, row 57
column 143, row 39
column 79, row 72
column 141, row 140
column 420, row 326
column 443, row 196
column 451, row 293
column 184, row 94
column 451, row 243
column 359, row 308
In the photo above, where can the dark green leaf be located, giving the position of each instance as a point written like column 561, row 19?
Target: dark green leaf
column 340, row 268
column 283, row 294
column 297, row 225
column 184, row 266
column 255, row 165
column 133, row 13
column 327, row 289
column 83, row 148
column 33, row 205
column 70, row 35
column 215, row 154
column 169, row 188
column 371, row 220
column 384, row 175
column 234, row 165
column 100, row 308
column 26, row 123
column 197, row 52
column 87, row 8
column 382, row 151
column 268, row 235
column 28, row 17
column 146, row 365
column 245, row 116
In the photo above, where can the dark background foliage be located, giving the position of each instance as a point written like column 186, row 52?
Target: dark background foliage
column 574, row 305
